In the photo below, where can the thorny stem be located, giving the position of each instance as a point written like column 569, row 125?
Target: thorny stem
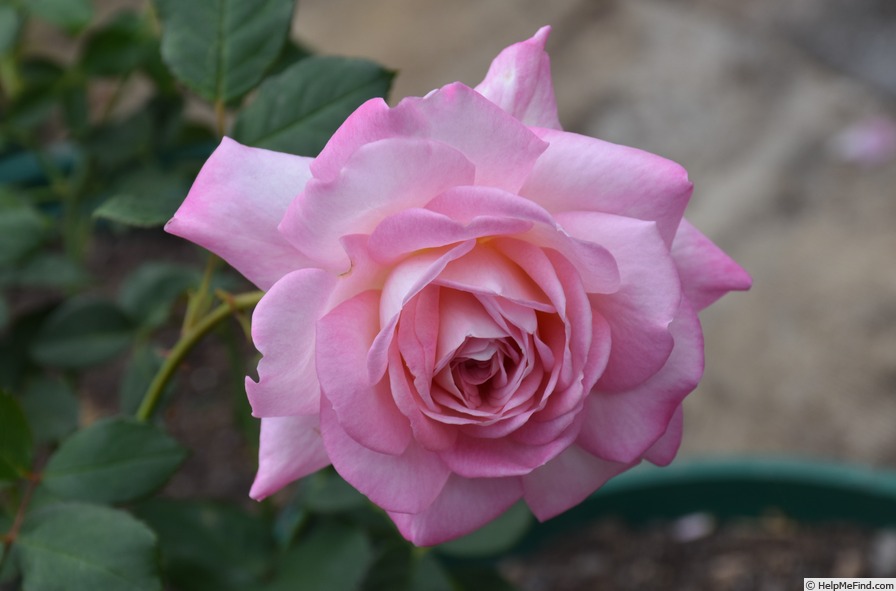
column 199, row 300
column 241, row 318
column 186, row 343
column 10, row 537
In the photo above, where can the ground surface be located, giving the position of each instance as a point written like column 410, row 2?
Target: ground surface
column 770, row 554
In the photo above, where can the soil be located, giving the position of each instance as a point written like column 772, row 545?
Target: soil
column 768, row 554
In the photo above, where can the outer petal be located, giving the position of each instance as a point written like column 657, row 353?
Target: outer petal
column 365, row 410
column 474, row 457
column 622, row 426
column 464, row 505
column 579, row 173
column 379, row 179
column 707, row 273
column 566, row 481
column 502, row 148
column 639, row 313
column 407, row 482
column 234, row 207
column 290, row 448
column 519, row 81
column 283, row 329
column 663, row 451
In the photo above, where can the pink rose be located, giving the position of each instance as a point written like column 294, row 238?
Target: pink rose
column 465, row 305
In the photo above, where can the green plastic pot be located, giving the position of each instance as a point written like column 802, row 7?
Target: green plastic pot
column 805, row 490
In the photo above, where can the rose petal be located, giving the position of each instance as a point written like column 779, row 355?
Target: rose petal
column 566, row 481
column 579, row 173
column 431, row 434
column 463, row 506
column 418, row 335
column 416, row 229
column 234, row 207
column 365, row 410
column 541, row 429
column 707, row 273
column 283, row 329
column 597, row 267
column 519, row 81
column 474, row 457
column 405, row 281
column 563, row 286
column 500, row 146
column 621, row 426
column 408, row 482
column 648, row 299
column 568, row 403
column 462, row 317
column 380, row 179
column 502, row 149
column 485, row 271
column 663, row 451
column 289, row 448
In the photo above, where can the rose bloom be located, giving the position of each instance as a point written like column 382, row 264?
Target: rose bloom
column 466, row 305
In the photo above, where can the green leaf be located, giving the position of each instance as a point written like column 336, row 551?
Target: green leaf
column 494, row 538
column 146, row 199
column 113, row 461
column 51, row 408
column 138, row 374
column 298, row 110
column 15, row 439
column 46, row 269
column 221, row 48
column 80, row 546
column 401, row 567
column 4, row 313
column 71, row 15
column 22, row 228
column 120, row 47
column 80, row 333
column 428, row 574
column 474, row 577
column 332, row 557
column 327, row 492
column 117, row 144
column 75, row 108
column 30, row 108
column 14, row 345
column 292, row 53
column 209, row 546
column 289, row 522
column 148, row 294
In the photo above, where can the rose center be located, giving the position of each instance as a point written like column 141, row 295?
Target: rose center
column 480, row 370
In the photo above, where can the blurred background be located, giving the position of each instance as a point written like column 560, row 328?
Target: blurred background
column 783, row 114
